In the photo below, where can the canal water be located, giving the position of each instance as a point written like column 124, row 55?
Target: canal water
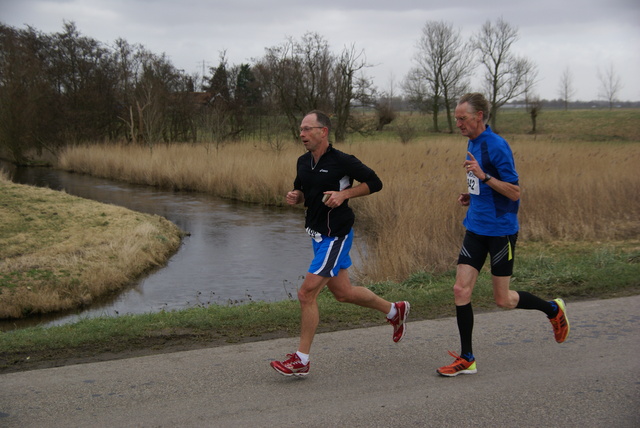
column 235, row 252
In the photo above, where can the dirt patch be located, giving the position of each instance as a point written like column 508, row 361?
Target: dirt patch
column 159, row 342
column 11, row 362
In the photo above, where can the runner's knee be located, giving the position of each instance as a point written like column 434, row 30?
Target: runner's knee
column 306, row 296
column 461, row 292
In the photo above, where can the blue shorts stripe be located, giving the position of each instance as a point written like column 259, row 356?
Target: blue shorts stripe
column 331, row 254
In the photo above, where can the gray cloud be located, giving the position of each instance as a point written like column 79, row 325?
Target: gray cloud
column 584, row 35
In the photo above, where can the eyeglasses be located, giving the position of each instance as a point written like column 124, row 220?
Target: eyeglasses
column 464, row 118
column 309, row 128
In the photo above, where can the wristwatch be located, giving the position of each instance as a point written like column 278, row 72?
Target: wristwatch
column 487, row 177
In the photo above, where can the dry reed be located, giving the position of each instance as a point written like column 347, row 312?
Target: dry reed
column 570, row 190
column 237, row 171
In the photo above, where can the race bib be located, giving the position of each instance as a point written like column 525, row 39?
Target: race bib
column 473, row 184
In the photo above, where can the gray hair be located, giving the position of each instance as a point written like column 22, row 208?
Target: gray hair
column 477, row 102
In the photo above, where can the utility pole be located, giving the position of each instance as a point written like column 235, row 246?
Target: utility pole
column 204, row 64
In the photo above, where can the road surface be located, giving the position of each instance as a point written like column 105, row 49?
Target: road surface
column 360, row 378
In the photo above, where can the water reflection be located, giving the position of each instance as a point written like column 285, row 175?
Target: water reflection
column 236, row 252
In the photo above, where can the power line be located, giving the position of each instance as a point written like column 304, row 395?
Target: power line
column 204, row 64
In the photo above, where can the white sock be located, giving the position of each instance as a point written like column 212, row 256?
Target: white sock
column 303, row 357
column 392, row 313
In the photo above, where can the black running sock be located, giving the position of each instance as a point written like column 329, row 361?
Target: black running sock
column 529, row 301
column 464, row 315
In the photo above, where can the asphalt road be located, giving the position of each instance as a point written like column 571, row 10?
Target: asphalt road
column 360, row 378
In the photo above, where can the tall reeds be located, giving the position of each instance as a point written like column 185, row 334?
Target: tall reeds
column 238, row 171
column 570, row 190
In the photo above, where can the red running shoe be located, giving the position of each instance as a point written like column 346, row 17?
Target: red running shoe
column 399, row 321
column 292, row 366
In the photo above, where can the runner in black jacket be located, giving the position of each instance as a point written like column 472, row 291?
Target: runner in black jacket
column 324, row 182
column 335, row 171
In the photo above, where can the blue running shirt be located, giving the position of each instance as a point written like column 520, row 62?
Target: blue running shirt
column 490, row 213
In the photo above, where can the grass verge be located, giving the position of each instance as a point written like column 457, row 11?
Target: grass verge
column 578, row 270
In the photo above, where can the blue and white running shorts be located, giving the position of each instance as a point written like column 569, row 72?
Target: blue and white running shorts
column 331, row 254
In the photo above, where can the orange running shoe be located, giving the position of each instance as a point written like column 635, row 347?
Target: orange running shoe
column 560, row 322
column 459, row 366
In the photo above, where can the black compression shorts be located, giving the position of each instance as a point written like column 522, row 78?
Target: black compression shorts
column 475, row 249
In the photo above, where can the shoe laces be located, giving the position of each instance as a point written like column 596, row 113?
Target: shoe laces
column 557, row 320
column 454, row 355
column 458, row 358
column 292, row 358
column 396, row 319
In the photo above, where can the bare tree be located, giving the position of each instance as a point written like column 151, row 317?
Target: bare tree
column 442, row 69
column 416, row 91
column 384, row 109
column 566, row 89
column 429, row 57
column 296, row 76
column 384, row 112
column 86, row 83
column 348, row 87
column 66, row 87
column 299, row 76
column 533, row 105
column 29, row 111
column 610, row 85
column 455, row 73
column 506, row 76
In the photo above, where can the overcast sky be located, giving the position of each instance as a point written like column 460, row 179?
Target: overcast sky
column 588, row 36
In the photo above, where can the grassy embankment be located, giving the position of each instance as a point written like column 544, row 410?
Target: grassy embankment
column 580, row 220
column 60, row 252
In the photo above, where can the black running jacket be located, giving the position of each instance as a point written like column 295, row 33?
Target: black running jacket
column 334, row 171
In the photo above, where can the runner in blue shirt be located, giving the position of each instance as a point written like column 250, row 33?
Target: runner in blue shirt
column 324, row 183
column 493, row 199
